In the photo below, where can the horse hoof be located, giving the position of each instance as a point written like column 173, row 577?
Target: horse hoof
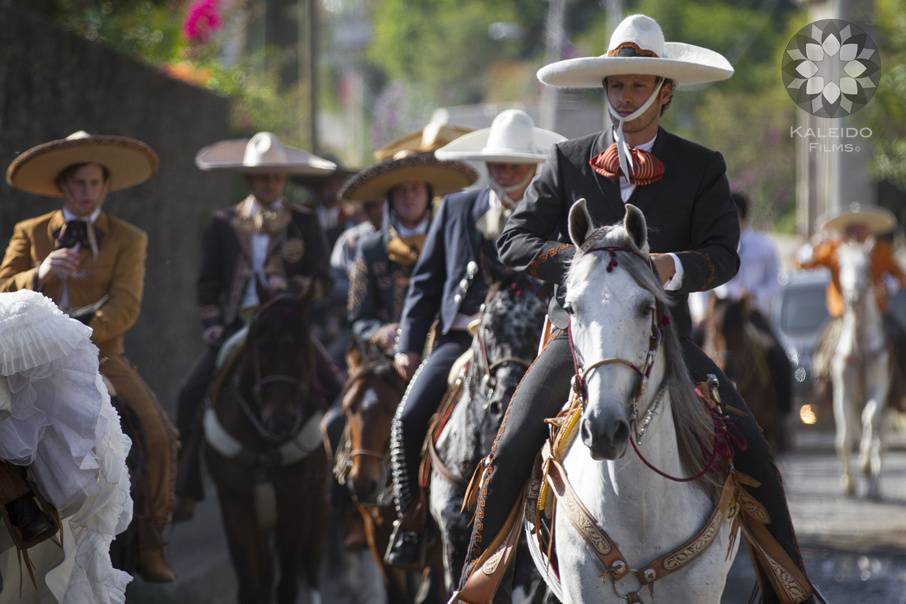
column 849, row 486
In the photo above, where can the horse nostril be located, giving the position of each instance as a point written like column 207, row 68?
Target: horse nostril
column 585, row 432
column 621, row 433
column 495, row 408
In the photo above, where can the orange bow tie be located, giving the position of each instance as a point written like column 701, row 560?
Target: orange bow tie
column 646, row 168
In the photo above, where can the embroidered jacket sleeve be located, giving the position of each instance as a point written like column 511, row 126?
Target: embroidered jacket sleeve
column 212, row 281
column 18, row 270
column 528, row 241
column 426, row 286
column 711, row 259
column 126, row 289
column 888, row 263
column 363, row 301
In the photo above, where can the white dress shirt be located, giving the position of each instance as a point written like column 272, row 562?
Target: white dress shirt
column 260, row 242
column 759, row 271
column 626, row 189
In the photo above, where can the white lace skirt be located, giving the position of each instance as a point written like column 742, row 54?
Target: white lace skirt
column 56, row 417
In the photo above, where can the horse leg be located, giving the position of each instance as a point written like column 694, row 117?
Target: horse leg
column 845, row 421
column 289, row 536
column 872, row 416
column 248, row 546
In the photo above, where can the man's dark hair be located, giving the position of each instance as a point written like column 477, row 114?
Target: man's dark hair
column 67, row 172
column 742, row 204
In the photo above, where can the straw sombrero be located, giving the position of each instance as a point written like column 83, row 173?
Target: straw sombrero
column 637, row 46
column 373, row 183
column 877, row 219
column 512, row 138
column 430, row 138
column 262, row 154
column 129, row 161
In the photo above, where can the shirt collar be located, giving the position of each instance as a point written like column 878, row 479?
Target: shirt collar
column 420, row 229
column 68, row 216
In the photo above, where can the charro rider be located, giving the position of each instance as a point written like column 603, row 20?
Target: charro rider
column 449, row 281
column 261, row 242
column 862, row 224
column 93, row 265
column 683, row 191
column 408, row 181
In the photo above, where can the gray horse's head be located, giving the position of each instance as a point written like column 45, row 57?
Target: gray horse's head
column 505, row 342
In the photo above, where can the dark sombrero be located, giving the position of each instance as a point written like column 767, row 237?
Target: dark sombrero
column 375, row 182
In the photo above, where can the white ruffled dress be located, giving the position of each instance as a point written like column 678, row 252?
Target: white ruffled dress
column 56, row 417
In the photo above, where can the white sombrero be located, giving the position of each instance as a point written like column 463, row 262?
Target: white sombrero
column 263, row 153
column 637, row 46
column 129, row 162
column 430, row 138
column 877, row 219
column 512, row 138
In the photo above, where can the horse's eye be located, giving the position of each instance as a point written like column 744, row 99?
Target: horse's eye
column 568, row 308
column 646, row 309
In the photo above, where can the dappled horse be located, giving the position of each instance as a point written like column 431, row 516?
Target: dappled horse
column 503, row 346
column 860, row 371
column 741, row 352
column 369, row 400
column 633, row 388
column 265, row 454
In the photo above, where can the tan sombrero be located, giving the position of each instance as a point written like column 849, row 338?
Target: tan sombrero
column 372, row 184
column 262, row 154
column 637, row 46
column 430, row 138
column 877, row 219
column 512, row 138
column 129, row 161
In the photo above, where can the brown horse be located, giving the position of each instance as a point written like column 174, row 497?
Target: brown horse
column 741, row 352
column 264, row 453
column 370, row 397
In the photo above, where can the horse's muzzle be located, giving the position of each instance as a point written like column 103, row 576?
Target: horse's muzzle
column 606, row 438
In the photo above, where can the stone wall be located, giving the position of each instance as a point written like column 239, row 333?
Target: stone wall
column 53, row 83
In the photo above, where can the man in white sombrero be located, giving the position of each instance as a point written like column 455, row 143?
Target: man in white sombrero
column 92, row 265
column 261, row 242
column 862, row 224
column 448, row 284
column 682, row 189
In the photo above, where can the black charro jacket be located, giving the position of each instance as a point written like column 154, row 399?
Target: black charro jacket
column 689, row 212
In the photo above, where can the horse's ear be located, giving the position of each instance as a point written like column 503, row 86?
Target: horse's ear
column 745, row 305
column 636, row 226
column 580, row 225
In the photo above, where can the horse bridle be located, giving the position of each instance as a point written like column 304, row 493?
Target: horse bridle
column 260, row 383
column 489, row 369
column 643, row 371
column 360, row 374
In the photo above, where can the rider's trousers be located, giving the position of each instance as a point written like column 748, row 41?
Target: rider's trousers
column 160, row 441
column 542, row 393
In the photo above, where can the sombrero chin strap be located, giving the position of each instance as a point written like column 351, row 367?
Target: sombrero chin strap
column 622, row 147
column 504, row 192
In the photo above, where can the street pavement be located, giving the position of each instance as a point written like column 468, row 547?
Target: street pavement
column 855, row 549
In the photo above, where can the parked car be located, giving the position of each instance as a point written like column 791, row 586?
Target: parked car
column 799, row 313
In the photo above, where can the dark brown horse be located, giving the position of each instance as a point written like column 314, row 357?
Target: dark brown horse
column 263, row 450
column 741, row 351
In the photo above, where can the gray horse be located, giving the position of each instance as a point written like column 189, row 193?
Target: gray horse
column 505, row 342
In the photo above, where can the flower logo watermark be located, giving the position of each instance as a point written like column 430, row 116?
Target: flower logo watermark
column 831, row 68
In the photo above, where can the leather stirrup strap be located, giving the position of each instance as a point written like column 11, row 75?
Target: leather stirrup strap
column 486, row 573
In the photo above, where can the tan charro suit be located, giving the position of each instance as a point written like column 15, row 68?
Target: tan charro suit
column 118, row 271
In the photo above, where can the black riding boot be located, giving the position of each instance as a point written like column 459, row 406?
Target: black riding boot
column 541, row 394
column 410, row 425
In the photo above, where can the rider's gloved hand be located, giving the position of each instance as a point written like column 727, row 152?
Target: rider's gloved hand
column 405, row 363
column 212, row 334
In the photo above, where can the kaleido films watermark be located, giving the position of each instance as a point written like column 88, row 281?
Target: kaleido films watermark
column 831, row 69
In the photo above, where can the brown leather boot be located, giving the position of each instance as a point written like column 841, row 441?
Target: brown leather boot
column 153, row 566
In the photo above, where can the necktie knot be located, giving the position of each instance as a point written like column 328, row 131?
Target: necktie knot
column 78, row 232
column 646, row 167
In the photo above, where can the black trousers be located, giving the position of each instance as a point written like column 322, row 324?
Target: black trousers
column 410, row 425
column 541, row 394
column 778, row 363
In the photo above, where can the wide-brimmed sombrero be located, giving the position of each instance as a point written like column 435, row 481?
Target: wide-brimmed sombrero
column 372, row 184
column 512, row 138
column 129, row 161
column 875, row 218
column 430, row 138
column 637, row 46
column 262, row 154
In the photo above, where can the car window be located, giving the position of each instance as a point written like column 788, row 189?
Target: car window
column 803, row 309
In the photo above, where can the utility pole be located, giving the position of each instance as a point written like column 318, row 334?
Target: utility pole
column 614, row 10
column 313, row 74
column 553, row 51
